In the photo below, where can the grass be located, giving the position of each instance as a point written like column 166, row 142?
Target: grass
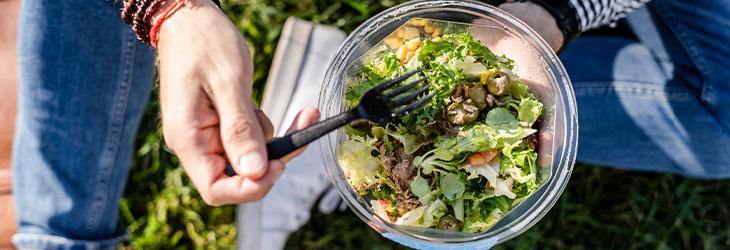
column 600, row 209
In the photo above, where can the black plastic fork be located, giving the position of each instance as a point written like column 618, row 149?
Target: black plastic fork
column 376, row 105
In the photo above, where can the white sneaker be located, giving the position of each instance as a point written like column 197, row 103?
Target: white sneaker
column 303, row 53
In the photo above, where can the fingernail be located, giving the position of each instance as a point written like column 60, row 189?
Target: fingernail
column 251, row 163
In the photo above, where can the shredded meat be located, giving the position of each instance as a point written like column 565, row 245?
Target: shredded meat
column 403, row 205
column 492, row 101
column 404, row 170
column 399, row 168
column 388, row 161
column 458, row 93
column 401, row 171
column 446, row 128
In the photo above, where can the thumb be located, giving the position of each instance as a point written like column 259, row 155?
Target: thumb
column 243, row 140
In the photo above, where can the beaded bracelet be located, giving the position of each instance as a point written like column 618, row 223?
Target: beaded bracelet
column 138, row 13
column 156, row 28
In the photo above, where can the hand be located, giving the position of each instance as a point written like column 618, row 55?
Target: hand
column 538, row 19
column 208, row 117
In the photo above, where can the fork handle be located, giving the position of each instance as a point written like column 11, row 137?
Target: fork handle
column 282, row 146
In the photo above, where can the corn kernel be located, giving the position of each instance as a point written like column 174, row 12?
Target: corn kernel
column 411, row 33
column 413, row 44
column 400, row 33
column 410, row 55
column 437, row 32
column 393, row 42
column 402, row 53
column 418, row 22
column 428, row 28
column 484, row 77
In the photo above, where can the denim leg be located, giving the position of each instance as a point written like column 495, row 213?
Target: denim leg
column 84, row 84
column 700, row 29
column 650, row 105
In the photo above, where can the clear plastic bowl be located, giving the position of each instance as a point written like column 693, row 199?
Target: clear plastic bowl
column 535, row 63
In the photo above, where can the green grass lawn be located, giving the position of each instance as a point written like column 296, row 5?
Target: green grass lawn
column 600, row 208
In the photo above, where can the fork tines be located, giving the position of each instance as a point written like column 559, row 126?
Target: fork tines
column 401, row 78
column 405, row 110
column 408, row 98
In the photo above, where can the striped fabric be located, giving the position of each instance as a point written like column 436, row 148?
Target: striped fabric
column 596, row 13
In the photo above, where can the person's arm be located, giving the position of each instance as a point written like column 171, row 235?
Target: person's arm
column 596, row 13
column 208, row 117
column 558, row 21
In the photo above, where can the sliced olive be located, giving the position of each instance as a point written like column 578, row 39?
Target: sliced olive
column 497, row 83
column 460, row 113
column 449, row 222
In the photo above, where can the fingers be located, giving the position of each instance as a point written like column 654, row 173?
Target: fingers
column 206, row 173
column 230, row 91
column 304, row 119
column 238, row 189
column 206, row 165
column 242, row 136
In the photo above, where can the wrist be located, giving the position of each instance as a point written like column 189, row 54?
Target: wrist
column 213, row 46
column 160, row 11
column 177, row 17
column 539, row 20
column 188, row 4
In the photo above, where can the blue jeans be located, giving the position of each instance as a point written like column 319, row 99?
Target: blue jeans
column 84, row 85
column 661, row 103
column 85, row 81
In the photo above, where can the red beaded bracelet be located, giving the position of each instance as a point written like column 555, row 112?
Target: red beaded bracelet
column 138, row 13
column 154, row 32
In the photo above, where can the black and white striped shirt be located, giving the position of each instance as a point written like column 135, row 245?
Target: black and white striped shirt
column 595, row 13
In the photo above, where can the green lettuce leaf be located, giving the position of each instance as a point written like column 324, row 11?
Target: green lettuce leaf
column 423, row 216
column 476, row 222
column 529, row 110
column 517, row 90
column 380, row 133
column 521, row 165
column 501, row 119
column 481, row 137
column 436, row 158
column 459, row 209
column 411, row 143
column 471, row 69
column 435, row 211
column 452, row 186
column 419, row 187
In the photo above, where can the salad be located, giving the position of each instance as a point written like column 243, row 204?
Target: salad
column 464, row 159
